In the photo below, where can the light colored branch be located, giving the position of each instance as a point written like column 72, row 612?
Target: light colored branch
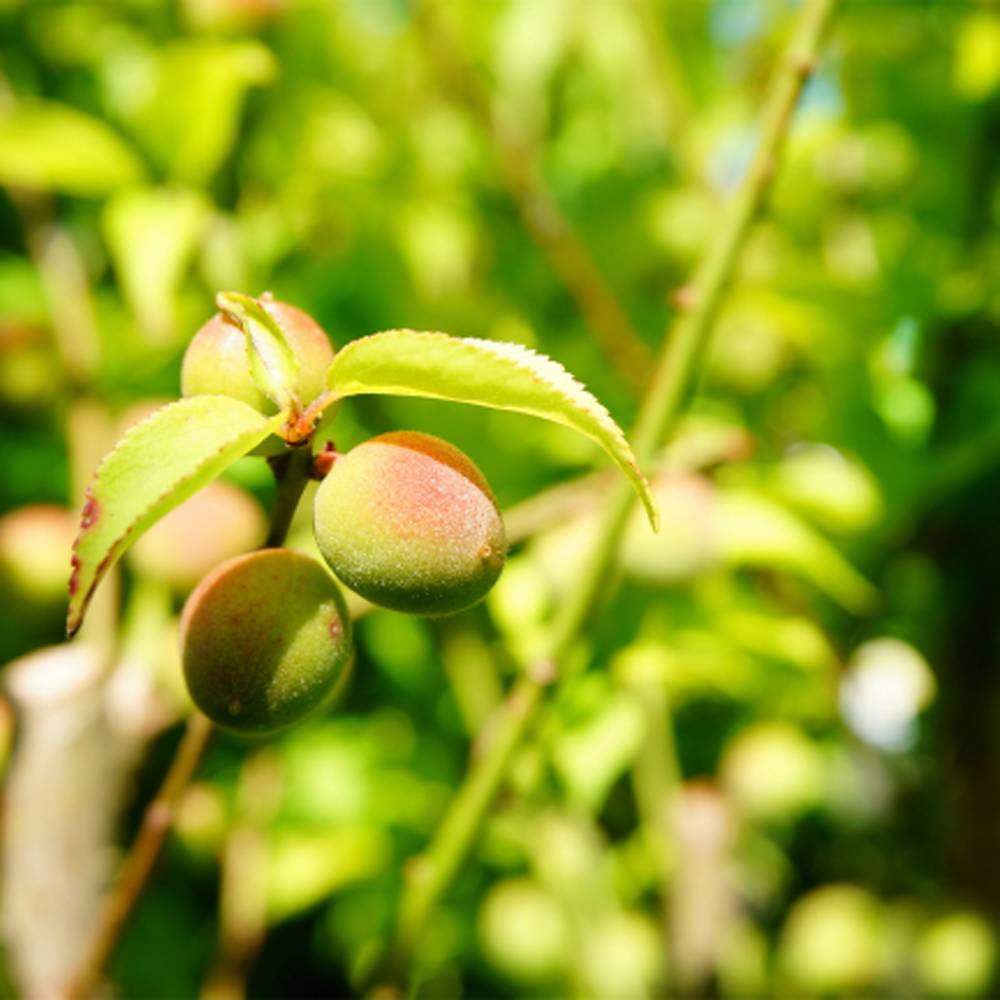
column 674, row 377
column 61, row 794
column 656, row 780
column 432, row 874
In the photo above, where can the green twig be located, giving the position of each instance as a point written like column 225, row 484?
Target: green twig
column 675, row 374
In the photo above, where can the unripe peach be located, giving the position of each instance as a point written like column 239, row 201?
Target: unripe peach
column 409, row 522
column 35, row 543
column 217, row 523
column 215, row 362
column 264, row 639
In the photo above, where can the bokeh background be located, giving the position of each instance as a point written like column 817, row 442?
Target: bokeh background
column 775, row 769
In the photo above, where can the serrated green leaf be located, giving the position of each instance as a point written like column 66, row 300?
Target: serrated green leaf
column 485, row 373
column 53, row 147
column 273, row 364
column 157, row 465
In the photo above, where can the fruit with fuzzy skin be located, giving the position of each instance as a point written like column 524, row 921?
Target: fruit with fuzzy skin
column 215, row 362
column 34, row 559
column 407, row 521
column 217, row 523
column 264, row 639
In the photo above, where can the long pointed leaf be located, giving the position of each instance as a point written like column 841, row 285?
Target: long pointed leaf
column 157, row 465
column 485, row 373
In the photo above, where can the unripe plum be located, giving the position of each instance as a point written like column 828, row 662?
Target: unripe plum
column 407, row 521
column 217, row 523
column 264, row 639
column 215, row 362
column 34, row 551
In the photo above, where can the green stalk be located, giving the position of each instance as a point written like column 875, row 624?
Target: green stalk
column 674, row 377
column 291, row 472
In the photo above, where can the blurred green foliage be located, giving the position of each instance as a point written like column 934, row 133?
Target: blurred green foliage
column 776, row 765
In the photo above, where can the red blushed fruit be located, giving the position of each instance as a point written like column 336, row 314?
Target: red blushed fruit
column 408, row 521
column 215, row 362
column 265, row 638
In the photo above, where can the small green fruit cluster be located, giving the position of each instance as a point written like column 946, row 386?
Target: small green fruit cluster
column 264, row 638
column 407, row 521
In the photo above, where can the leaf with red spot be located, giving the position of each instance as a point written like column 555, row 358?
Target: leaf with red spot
column 157, row 465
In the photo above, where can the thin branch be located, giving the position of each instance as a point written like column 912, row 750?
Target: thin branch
column 675, row 374
column 292, row 476
column 431, row 875
column 544, row 220
column 156, row 822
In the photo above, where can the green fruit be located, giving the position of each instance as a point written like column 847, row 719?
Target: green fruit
column 264, row 639
column 215, row 362
column 409, row 522
column 524, row 932
column 833, row 942
column 35, row 544
column 217, row 523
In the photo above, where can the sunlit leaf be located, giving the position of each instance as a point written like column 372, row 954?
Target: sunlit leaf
column 152, row 234
column 157, row 464
column 977, row 56
column 190, row 118
column 591, row 755
column 53, row 147
column 485, row 373
column 305, row 868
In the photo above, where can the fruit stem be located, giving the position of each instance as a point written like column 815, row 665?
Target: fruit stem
column 156, row 822
column 676, row 372
column 292, row 470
